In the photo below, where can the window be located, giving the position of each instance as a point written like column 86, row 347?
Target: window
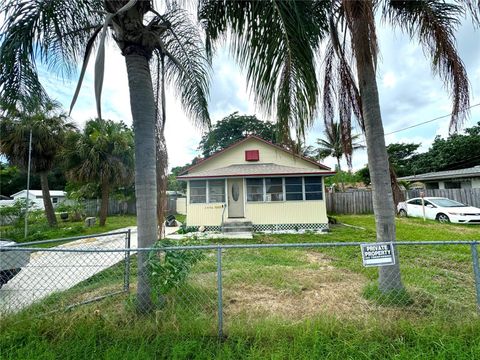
column 293, row 188
column 54, row 200
column 198, row 191
column 216, row 191
column 313, row 188
column 452, row 185
column 254, row 189
column 274, row 189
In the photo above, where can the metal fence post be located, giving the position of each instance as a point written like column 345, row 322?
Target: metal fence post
column 220, row 292
column 476, row 271
column 126, row 280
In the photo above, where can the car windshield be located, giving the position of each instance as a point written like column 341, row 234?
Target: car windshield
column 447, row 203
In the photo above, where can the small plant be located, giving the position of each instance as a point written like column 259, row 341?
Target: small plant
column 12, row 214
column 169, row 269
column 184, row 229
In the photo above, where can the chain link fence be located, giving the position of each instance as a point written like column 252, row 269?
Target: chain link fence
column 44, row 273
column 221, row 289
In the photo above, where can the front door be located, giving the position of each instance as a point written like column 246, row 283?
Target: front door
column 235, row 198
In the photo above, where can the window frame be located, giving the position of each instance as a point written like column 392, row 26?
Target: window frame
column 207, row 192
column 284, row 189
column 262, row 193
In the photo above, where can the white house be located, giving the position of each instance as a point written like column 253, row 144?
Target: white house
column 259, row 184
column 36, row 197
column 451, row 179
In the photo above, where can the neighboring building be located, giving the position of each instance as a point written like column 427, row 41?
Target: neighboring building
column 451, row 179
column 36, row 197
column 256, row 181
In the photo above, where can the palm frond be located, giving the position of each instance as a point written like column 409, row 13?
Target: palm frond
column 52, row 32
column 434, row 23
column 187, row 69
column 275, row 43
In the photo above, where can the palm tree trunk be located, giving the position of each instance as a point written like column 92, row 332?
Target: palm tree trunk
column 340, row 173
column 389, row 276
column 47, row 201
column 104, row 205
column 143, row 114
column 162, row 154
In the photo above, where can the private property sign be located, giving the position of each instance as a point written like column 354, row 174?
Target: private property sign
column 378, row 254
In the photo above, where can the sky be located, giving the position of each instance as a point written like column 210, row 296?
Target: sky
column 409, row 94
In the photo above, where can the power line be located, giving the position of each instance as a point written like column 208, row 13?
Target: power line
column 422, row 123
column 428, row 121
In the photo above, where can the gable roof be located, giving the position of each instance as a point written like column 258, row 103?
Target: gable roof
column 448, row 174
column 203, row 161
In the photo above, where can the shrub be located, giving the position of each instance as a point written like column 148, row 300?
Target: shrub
column 169, row 269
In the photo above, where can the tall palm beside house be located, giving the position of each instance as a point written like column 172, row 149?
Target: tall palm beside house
column 49, row 127
column 58, row 32
column 353, row 36
column 102, row 154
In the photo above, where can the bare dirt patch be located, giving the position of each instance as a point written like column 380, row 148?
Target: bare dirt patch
column 314, row 291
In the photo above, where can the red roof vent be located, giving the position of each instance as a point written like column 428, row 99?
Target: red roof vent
column 252, row 155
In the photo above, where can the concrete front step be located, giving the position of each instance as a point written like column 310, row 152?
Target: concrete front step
column 237, row 229
column 237, row 226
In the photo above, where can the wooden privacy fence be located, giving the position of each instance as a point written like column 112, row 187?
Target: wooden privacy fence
column 121, row 207
column 360, row 202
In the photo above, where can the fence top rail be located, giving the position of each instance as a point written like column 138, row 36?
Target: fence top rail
column 240, row 246
column 33, row 243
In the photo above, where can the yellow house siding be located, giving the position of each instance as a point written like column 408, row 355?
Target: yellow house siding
column 268, row 154
column 203, row 214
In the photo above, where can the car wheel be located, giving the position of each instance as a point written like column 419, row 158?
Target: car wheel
column 402, row 213
column 443, row 218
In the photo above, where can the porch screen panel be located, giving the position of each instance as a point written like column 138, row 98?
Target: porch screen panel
column 198, row 191
column 216, row 191
column 293, row 188
column 313, row 188
column 254, row 189
column 274, row 189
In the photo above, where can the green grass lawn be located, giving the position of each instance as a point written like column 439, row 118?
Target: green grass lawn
column 39, row 229
column 313, row 303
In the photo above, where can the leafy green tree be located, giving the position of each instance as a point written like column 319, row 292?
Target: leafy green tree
column 48, row 127
column 102, row 154
column 400, row 156
column 364, row 175
column 14, row 179
column 458, row 151
column 233, row 128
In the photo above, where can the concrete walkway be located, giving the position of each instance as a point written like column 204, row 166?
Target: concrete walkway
column 50, row 272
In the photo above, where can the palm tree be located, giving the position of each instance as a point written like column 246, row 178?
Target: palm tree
column 49, row 128
column 103, row 154
column 353, row 36
column 57, row 33
column 338, row 144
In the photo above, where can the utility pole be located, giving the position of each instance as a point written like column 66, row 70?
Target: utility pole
column 28, row 182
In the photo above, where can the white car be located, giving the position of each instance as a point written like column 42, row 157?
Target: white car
column 441, row 209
